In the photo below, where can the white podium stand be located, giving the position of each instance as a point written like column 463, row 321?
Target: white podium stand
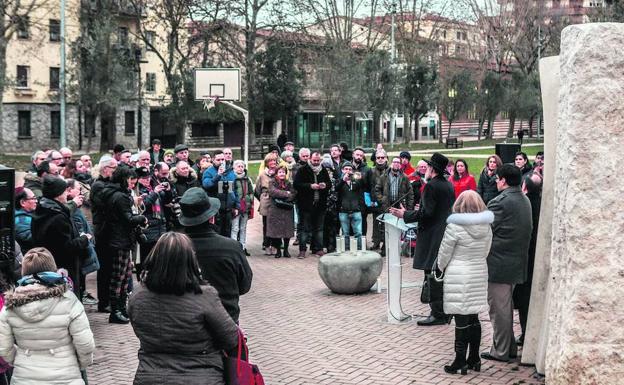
column 393, row 228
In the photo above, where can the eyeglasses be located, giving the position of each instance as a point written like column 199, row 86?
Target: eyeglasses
column 57, row 158
column 31, row 199
column 381, row 157
column 67, row 157
column 112, row 167
column 145, row 159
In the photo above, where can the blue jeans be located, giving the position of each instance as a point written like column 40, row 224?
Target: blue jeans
column 351, row 221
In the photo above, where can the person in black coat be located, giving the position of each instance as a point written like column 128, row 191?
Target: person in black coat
column 312, row 184
column 222, row 260
column 53, row 228
column 435, row 206
column 532, row 188
column 487, row 182
column 123, row 227
column 157, row 153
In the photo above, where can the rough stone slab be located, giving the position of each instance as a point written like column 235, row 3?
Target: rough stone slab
column 586, row 337
column 536, row 338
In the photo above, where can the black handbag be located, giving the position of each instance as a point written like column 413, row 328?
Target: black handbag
column 282, row 204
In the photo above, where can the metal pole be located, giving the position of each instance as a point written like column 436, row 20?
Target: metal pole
column 246, row 115
column 539, row 57
column 392, row 132
column 63, row 139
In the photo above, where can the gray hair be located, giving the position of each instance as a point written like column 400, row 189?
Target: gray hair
column 420, row 163
column 36, row 155
column 105, row 160
column 303, row 150
column 381, row 151
column 237, row 162
column 286, row 153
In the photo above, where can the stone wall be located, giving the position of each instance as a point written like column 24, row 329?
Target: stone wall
column 130, row 140
column 40, row 128
column 586, row 337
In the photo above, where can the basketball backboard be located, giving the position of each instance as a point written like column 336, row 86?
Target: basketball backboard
column 223, row 83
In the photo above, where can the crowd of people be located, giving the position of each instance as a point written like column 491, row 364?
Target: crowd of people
column 136, row 219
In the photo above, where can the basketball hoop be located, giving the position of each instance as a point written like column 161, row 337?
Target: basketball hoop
column 210, row 102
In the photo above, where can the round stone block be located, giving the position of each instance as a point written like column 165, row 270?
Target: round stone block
column 350, row 272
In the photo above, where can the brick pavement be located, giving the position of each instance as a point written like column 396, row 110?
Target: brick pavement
column 301, row 333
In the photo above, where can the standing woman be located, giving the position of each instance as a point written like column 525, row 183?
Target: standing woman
column 487, row 182
column 463, row 258
column 244, row 192
column 179, row 319
column 280, row 220
column 461, row 179
column 522, row 162
column 261, row 193
column 44, row 331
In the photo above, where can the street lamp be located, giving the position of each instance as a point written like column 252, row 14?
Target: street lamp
column 138, row 55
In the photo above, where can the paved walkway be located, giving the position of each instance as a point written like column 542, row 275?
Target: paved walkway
column 301, row 333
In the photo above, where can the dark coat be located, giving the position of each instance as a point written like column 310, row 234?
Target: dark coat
column 245, row 192
column 382, row 191
column 180, row 183
column 511, row 234
column 487, row 187
column 522, row 292
column 120, row 223
column 34, row 183
column 280, row 222
column 98, row 210
column 52, row 228
column 181, row 337
column 349, row 196
column 161, row 156
column 154, row 212
column 305, row 195
column 435, row 206
column 375, row 175
column 223, row 264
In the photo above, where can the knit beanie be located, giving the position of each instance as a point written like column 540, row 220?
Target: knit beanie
column 53, row 186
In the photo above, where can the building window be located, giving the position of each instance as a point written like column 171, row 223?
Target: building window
column 23, row 27
column 202, row 129
column 150, row 82
column 22, row 76
column 55, row 78
column 129, row 123
column 23, row 124
column 55, row 30
column 122, row 37
column 149, row 40
column 461, row 35
column 55, row 124
column 504, row 114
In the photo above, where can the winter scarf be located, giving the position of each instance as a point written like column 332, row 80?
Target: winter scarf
column 37, row 287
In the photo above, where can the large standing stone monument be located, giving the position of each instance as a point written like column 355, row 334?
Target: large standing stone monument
column 586, row 323
column 536, row 338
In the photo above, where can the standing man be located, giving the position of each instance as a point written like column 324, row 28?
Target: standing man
column 227, row 156
column 101, row 230
column 435, row 206
column 406, row 166
column 181, row 152
column 290, row 146
column 86, row 160
column 381, row 165
column 335, row 151
column 508, row 257
column 144, row 160
column 156, row 152
column 221, row 259
column 219, row 183
column 349, row 189
column 362, row 173
column 312, row 184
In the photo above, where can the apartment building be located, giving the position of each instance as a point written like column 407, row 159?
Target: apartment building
column 31, row 108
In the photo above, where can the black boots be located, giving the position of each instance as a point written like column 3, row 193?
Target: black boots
column 474, row 342
column 118, row 311
column 461, row 345
column 278, row 253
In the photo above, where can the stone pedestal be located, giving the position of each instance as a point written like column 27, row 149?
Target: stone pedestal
column 350, row 272
column 586, row 337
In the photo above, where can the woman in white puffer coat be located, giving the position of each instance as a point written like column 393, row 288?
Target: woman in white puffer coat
column 44, row 331
column 463, row 258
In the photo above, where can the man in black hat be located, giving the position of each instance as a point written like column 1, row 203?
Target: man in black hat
column 435, row 206
column 222, row 260
column 290, row 146
column 181, row 152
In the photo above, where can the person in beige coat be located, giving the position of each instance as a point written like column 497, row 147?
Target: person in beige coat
column 261, row 192
column 463, row 258
column 44, row 330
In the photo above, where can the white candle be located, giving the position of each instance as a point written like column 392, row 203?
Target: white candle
column 340, row 244
column 353, row 243
column 363, row 244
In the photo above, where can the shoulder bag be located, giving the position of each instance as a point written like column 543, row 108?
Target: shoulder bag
column 282, row 204
column 238, row 370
